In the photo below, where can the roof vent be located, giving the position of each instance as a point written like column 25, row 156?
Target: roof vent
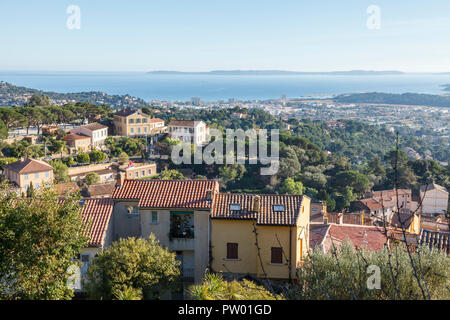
column 256, row 203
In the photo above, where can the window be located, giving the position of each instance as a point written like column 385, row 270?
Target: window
column 36, row 185
column 36, row 175
column 25, row 176
column 143, row 173
column 131, row 121
column 278, row 208
column 132, row 130
column 150, row 171
column 136, row 174
column 277, row 255
column 133, row 210
column 145, row 129
column 84, row 258
column 138, row 120
column 235, row 207
column 232, row 251
column 154, row 217
column 139, row 130
column 144, row 120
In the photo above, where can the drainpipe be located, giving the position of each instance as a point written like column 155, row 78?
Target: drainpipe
column 290, row 254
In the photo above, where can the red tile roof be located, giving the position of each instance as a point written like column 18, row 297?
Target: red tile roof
column 75, row 136
column 266, row 215
column 187, row 194
column 62, row 188
column 28, row 166
column 94, row 126
column 371, row 238
column 156, row 120
column 371, row 204
column 97, row 212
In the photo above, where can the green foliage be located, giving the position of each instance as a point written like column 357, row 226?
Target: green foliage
column 214, row 287
column 131, row 146
column 290, row 186
column 97, row 156
column 83, row 157
column 140, row 265
column 344, row 275
column 359, row 182
column 169, row 175
column 92, row 178
column 39, row 237
column 60, row 171
column 123, row 158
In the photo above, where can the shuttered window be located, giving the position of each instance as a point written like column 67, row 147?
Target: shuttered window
column 232, row 250
column 277, row 255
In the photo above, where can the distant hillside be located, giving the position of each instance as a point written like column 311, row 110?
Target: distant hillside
column 11, row 95
column 412, row 99
column 276, row 72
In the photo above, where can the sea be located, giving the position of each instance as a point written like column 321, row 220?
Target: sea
column 182, row 87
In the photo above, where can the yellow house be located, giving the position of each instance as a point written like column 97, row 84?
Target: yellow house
column 26, row 172
column 135, row 123
column 260, row 235
column 408, row 221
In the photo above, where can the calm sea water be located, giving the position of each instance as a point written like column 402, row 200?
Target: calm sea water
column 216, row 87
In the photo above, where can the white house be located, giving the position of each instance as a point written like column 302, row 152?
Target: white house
column 95, row 130
column 434, row 199
column 195, row 132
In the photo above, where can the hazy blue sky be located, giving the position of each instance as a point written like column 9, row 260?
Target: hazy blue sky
column 198, row 35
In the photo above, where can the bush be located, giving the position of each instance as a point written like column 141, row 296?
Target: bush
column 92, row 178
column 83, row 157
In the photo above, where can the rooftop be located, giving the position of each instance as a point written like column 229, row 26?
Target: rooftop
column 94, row 126
column 28, row 166
column 274, row 209
column 183, row 194
column 97, row 212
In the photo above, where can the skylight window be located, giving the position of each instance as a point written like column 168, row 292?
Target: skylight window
column 235, row 207
column 278, row 207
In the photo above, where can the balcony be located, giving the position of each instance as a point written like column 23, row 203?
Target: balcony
column 181, row 244
column 181, row 233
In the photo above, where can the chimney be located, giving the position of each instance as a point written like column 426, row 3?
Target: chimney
column 325, row 219
column 340, row 219
column 209, row 195
column 256, row 203
column 120, row 179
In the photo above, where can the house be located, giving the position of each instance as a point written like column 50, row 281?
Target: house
column 22, row 173
column 328, row 236
column 176, row 211
column 106, row 175
column 410, row 222
column 104, row 190
column 139, row 170
column 318, row 211
column 96, row 131
column 434, row 199
column 190, row 131
column 66, row 187
column 97, row 214
column 281, row 223
column 136, row 123
column 77, row 142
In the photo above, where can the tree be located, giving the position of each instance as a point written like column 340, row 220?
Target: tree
column 3, row 130
column 97, row 156
column 358, row 181
column 342, row 274
column 92, row 178
column 170, row 175
column 123, row 158
column 290, row 186
column 11, row 117
column 140, row 265
column 83, row 157
column 39, row 238
column 214, row 287
column 60, row 171
column 289, row 164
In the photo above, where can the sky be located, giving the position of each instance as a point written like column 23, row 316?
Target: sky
column 198, row 35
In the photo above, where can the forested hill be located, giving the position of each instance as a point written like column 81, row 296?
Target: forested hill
column 12, row 95
column 412, row 99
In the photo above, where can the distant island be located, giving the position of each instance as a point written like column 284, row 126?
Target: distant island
column 277, row 72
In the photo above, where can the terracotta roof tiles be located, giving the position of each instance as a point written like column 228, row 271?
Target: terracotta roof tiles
column 97, row 212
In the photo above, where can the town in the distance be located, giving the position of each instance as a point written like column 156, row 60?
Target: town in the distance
column 360, row 182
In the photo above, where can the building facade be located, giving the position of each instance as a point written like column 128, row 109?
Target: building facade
column 135, row 123
column 78, row 142
column 281, row 223
column 96, row 131
column 28, row 172
column 195, row 132
column 176, row 211
column 434, row 199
